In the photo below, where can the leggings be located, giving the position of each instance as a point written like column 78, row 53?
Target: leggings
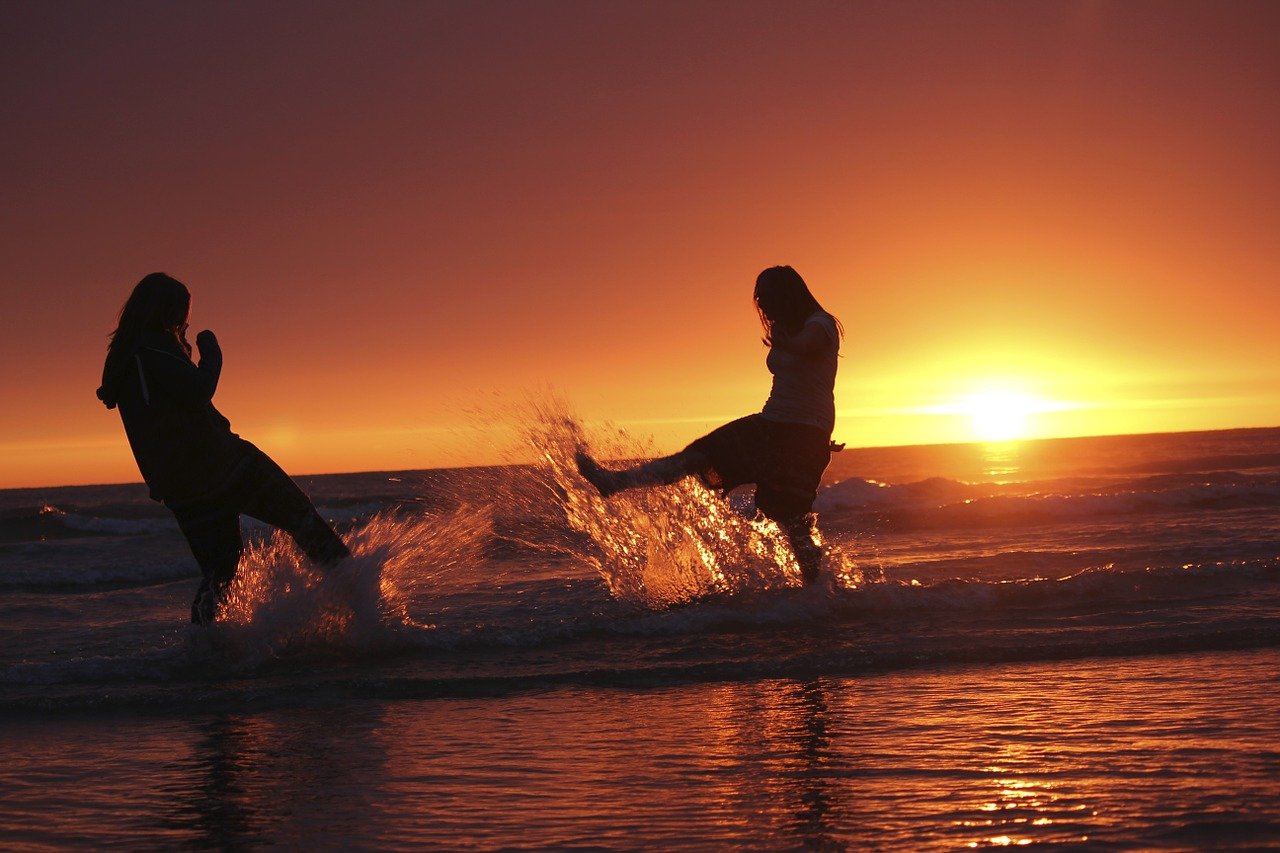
column 260, row 489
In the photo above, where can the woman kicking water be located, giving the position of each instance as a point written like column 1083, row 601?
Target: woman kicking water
column 785, row 448
column 185, row 449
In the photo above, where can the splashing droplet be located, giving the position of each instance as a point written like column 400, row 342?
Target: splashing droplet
column 280, row 603
column 668, row 545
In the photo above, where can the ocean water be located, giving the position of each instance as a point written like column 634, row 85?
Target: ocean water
column 1071, row 642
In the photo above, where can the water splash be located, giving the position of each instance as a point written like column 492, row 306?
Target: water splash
column 670, row 545
column 280, row 603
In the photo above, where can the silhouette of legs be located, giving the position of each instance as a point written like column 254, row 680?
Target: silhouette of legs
column 214, row 538
column 278, row 501
column 808, row 554
column 785, row 504
column 262, row 490
column 656, row 472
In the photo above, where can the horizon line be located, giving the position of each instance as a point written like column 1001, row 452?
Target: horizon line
column 1016, row 441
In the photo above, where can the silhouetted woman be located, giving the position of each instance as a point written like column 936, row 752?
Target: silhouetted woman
column 785, row 448
column 187, row 454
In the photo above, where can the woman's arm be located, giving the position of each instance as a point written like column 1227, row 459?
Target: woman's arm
column 169, row 377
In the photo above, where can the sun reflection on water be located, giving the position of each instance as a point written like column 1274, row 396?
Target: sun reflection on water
column 1000, row 461
column 1023, row 809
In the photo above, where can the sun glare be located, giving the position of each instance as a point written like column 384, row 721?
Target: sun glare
column 995, row 412
column 999, row 415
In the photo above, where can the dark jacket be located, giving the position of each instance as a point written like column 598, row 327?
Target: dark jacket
column 184, row 447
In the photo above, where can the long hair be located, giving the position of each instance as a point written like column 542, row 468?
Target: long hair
column 159, row 304
column 784, row 302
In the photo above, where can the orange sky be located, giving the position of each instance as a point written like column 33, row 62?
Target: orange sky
column 404, row 219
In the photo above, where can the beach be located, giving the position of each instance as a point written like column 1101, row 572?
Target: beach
column 1073, row 642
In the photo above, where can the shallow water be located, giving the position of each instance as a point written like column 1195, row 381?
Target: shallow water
column 1074, row 642
column 1165, row 751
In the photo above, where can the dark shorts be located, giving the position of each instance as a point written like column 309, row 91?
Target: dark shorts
column 784, row 460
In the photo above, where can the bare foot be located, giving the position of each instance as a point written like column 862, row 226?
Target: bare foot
column 602, row 479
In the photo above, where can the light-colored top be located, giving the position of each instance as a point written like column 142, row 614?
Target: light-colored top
column 804, row 384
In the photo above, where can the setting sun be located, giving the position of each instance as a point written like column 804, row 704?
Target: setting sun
column 998, row 411
column 999, row 415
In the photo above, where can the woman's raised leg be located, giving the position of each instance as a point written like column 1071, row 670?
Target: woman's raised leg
column 656, row 472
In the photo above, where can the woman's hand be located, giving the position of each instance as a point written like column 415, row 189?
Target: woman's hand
column 207, row 343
